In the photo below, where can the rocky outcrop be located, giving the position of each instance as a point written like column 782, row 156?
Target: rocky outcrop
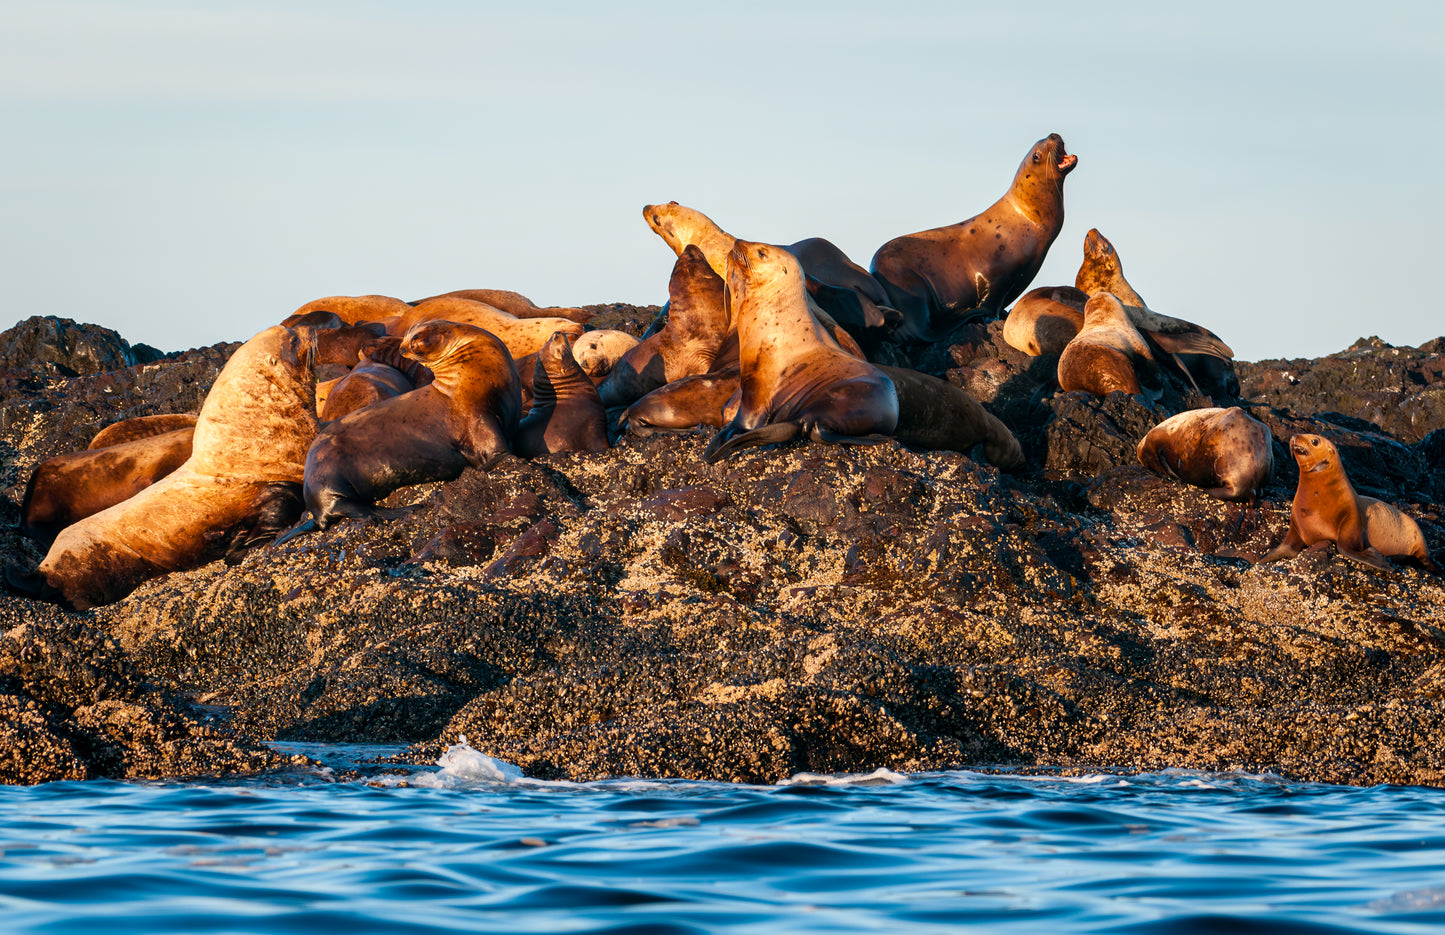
column 803, row 607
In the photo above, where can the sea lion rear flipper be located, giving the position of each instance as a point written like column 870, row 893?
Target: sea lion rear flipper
column 30, row 583
column 728, row 440
column 1369, row 555
column 1190, row 342
column 820, row 434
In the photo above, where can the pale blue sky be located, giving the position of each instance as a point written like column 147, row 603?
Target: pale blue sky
column 191, row 172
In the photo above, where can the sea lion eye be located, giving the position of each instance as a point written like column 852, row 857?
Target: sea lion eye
column 1315, row 442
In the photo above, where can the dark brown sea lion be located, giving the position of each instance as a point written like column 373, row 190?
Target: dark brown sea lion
column 941, row 278
column 1327, row 509
column 467, row 415
column 67, row 488
column 795, row 379
column 680, row 226
column 141, row 427
column 1045, row 320
column 566, row 413
column 688, row 344
column 1197, row 353
column 240, row 486
column 1227, row 452
column 1108, row 353
column 684, row 404
column 514, row 303
column 845, row 290
column 522, row 336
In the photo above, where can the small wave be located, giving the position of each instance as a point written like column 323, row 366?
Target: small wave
column 461, row 765
column 879, row 777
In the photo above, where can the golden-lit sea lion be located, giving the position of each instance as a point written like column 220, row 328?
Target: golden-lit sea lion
column 566, row 413
column 467, row 415
column 1327, row 509
column 352, row 309
column 1045, row 320
column 130, row 430
column 1226, row 452
column 1108, row 353
column 941, row 278
column 370, row 381
column 67, row 488
column 684, row 404
column 240, row 486
column 514, row 303
column 697, row 324
column 597, row 352
column 522, row 336
column 795, row 379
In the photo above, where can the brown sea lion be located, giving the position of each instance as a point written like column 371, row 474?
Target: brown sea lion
column 684, row 404
column 597, row 352
column 240, row 486
column 697, row 324
column 370, row 381
column 1327, row 509
column 130, row 430
column 514, row 303
column 680, row 226
column 1045, row 320
column 845, row 290
column 1108, row 353
column 566, row 413
column 941, row 278
column 467, row 415
column 1226, row 452
column 522, row 336
column 67, row 488
column 351, row 309
column 1196, row 352
column 795, row 379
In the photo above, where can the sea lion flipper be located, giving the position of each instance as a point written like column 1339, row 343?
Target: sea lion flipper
column 1369, row 555
column 1289, row 548
column 308, row 524
column 728, row 440
column 820, row 434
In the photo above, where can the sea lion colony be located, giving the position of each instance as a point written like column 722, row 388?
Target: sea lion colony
column 765, row 342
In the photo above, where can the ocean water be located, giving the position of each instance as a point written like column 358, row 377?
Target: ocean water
column 472, row 846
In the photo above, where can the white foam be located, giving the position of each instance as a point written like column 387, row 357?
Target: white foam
column 461, row 765
column 879, row 777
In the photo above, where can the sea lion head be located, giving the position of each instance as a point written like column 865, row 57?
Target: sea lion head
column 1049, row 158
column 440, row 344
column 677, row 224
column 754, row 266
column 1100, row 255
column 1313, row 453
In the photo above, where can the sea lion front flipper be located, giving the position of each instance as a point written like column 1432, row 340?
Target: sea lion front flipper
column 820, row 434
column 728, row 440
column 307, row 524
column 1369, row 555
column 1289, row 548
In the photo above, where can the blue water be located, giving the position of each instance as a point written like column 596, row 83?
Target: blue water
column 471, row 848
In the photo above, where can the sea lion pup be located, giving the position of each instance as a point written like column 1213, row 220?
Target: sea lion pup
column 67, row 488
column 796, row 379
column 514, row 303
column 1198, row 353
column 684, row 404
column 129, row 430
column 597, row 352
column 1227, row 452
column 697, row 323
column 467, row 415
column 239, row 487
column 522, row 336
column 941, row 278
column 1045, row 320
column 679, row 226
column 1108, row 353
column 566, row 414
column 1327, row 509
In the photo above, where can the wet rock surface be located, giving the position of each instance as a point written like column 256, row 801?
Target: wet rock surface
column 799, row 608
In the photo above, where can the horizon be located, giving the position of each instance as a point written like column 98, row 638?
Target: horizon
column 187, row 177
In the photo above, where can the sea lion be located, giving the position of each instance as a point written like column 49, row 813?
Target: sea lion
column 566, row 413
column 67, row 488
column 1198, row 354
column 1327, row 509
column 351, row 309
column 1227, row 452
column 467, row 415
column 370, row 381
column 130, row 430
column 680, row 226
column 1045, row 320
column 597, row 352
column 1108, row 353
column 696, row 326
column 240, row 486
column 845, row 290
column 522, row 336
column 941, row 278
column 514, row 303
column 684, row 404
column 795, row 379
